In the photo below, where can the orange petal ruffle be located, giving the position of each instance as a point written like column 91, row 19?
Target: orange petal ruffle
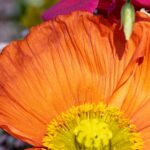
column 134, row 96
column 73, row 59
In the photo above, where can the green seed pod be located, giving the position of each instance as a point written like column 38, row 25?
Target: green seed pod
column 127, row 19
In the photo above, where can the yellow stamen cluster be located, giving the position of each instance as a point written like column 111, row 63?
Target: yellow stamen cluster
column 93, row 133
column 92, row 127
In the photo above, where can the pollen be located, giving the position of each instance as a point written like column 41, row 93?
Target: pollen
column 92, row 127
column 93, row 133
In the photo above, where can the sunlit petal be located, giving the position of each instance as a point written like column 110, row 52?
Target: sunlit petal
column 71, row 60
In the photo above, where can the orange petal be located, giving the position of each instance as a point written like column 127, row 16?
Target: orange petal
column 139, row 89
column 142, row 120
column 133, row 93
column 133, row 97
column 71, row 60
column 145, row 133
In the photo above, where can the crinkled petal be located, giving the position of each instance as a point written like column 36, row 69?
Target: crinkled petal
column 136, row 83
column 133, row 97
column 142, row 120
column 74, row 59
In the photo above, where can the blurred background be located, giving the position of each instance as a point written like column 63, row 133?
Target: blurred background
column 16, row 17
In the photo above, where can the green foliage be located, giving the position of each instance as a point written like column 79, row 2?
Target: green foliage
column 32, row 11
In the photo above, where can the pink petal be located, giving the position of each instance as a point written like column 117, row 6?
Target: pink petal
column 108, row 6
column 142, row 3
column 67, row 6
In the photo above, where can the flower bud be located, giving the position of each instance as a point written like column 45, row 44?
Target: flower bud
column 127, row 19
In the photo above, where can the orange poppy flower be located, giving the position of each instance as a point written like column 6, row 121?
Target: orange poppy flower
column 79, row 65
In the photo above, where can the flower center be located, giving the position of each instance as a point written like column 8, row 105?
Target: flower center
column 93, row 133
column 92, row 127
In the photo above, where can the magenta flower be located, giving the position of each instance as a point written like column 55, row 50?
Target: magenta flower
column 142, row 3
column 67, row 6
column 105, row 6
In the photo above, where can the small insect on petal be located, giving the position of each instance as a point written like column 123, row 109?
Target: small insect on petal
column 127, row 19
